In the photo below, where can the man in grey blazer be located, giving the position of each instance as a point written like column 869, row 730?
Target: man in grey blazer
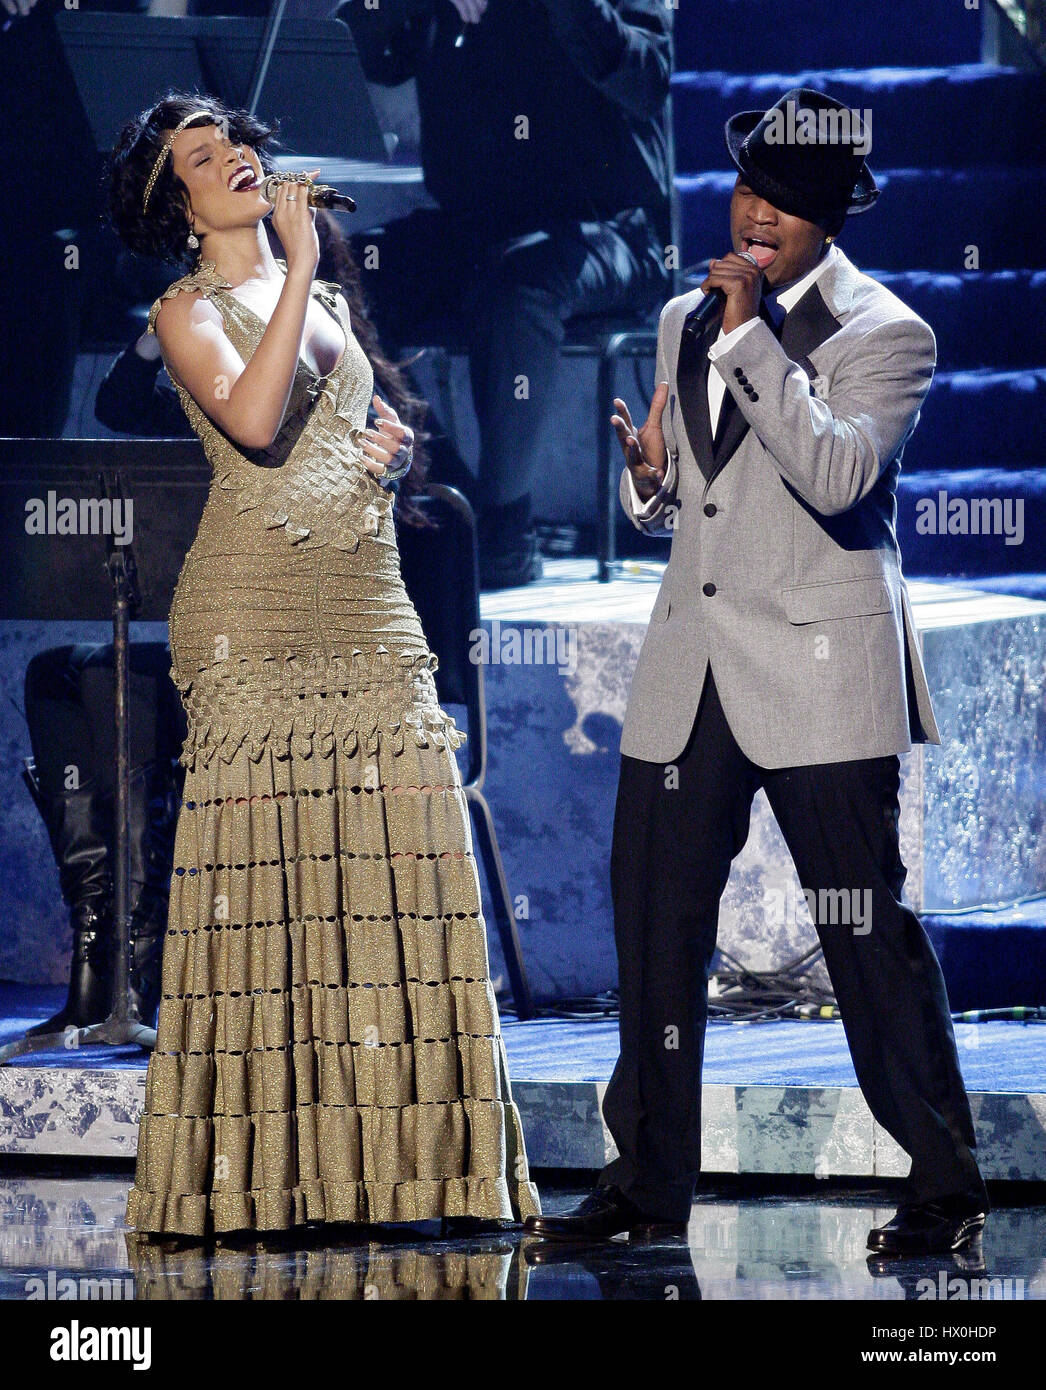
column 781, row 653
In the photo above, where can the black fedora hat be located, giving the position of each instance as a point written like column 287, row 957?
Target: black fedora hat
column 804, row 156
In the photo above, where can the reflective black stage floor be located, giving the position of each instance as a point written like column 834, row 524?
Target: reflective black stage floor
column 62, row 1237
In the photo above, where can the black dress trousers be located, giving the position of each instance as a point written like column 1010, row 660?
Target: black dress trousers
column 676, row 831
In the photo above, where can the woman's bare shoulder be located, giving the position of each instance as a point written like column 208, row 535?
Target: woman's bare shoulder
column 177, row 324
column 198, row 285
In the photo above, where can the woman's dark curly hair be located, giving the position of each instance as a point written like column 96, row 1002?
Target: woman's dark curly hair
column 162, row 233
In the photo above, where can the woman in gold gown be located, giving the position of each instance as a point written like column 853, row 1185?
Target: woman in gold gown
column 328, row 1045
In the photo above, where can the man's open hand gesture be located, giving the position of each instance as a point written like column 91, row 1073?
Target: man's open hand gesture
column 645, row 454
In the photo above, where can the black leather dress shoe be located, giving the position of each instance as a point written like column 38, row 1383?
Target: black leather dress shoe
column 930, row 1228
column 604, row 1213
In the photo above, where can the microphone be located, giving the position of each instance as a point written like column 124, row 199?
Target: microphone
column 321, row 195
column 698, row 319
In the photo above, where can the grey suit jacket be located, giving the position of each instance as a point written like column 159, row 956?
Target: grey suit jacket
column 784, row 571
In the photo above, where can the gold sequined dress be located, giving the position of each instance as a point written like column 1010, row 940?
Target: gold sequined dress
column 328, row 1044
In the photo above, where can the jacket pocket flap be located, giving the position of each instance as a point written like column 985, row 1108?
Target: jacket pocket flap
column 846, row 598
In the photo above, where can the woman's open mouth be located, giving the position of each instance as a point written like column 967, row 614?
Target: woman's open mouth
column 243, row 179
column 765, row 252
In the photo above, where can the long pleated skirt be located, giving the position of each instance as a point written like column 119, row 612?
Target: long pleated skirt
column 328, row 1041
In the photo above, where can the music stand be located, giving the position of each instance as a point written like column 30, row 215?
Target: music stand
column 308, row 73
column 83, row 572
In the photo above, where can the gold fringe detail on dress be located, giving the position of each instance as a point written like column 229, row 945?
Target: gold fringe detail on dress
column 352, row 700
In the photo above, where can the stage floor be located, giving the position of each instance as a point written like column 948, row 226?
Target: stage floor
column 778, row 1098
column 569, row 592
column 63, row 1237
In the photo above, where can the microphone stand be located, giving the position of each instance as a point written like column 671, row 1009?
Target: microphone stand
column 261, row 67
column 123, row 1024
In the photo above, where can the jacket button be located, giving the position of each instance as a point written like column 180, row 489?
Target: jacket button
column 738, row 373
column 710, row 509
column 708, row 590
column 754, row 395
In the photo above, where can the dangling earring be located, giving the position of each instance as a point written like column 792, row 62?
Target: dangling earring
column 828, row 240
column 192, row 241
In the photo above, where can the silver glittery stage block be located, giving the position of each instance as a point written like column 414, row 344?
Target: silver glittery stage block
column 826, row 1132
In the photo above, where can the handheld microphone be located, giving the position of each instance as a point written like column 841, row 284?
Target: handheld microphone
column 321, row 195
column 698, row 319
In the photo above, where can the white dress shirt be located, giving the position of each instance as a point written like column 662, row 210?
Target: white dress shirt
column 778, row 302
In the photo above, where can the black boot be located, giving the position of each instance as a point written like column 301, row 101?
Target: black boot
column 155, row 803
column 78, row 825
column 508, row 546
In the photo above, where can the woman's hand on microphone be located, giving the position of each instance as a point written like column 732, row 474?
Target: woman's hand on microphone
column 294, row 222
column 646, row 456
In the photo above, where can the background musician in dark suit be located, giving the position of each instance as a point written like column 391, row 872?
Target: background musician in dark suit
column 543, row 140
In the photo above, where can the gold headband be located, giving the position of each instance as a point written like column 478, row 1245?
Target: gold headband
column 165, row 151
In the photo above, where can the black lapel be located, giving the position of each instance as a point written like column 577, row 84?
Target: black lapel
column 732, row 426
column 732, row 429
column 806, row 326
column 692, row 385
